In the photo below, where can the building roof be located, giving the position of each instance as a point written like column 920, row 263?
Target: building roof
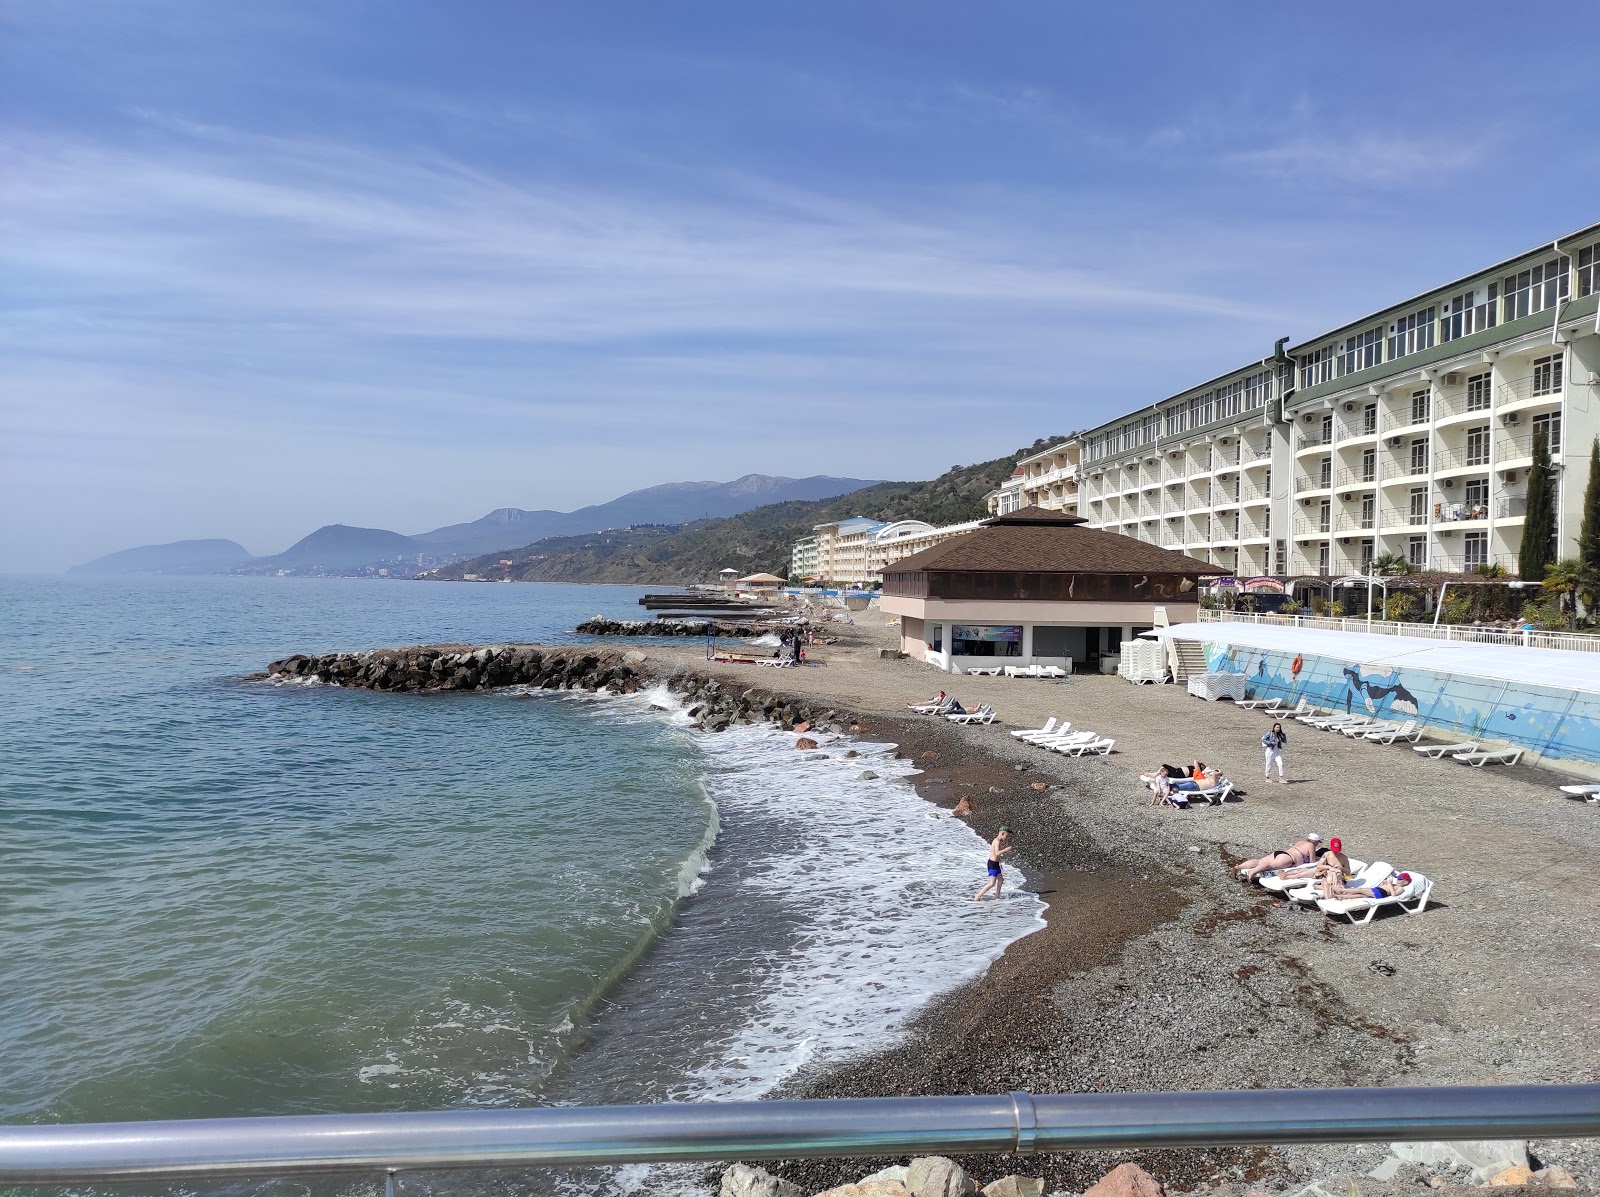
column 762, row 578
column 1034, row 540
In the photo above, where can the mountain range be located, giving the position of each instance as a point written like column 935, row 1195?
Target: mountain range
column 340, row 547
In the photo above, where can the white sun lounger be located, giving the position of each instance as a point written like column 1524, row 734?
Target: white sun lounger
column 990, row 671
column 1586, row 793
column 1489, row 756
column 1068, row 741
column 1412, row 900
column 1437, row 751
column 1409, row 730
column 927, row 708
column 1360, row 727
column 1254, row 704
column 984, row 714
column 1028, row 733
column 1281, row 711
column 1333, row 722
column 1360, row 874
column 1098, row 747
column 1275, row 880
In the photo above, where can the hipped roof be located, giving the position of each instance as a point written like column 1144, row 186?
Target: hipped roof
column 1034, row 540
column 762, row 578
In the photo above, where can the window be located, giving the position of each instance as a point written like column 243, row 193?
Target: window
column 1174, row 417
column 1323, row 513
column 1588, row 270
column 1547, row 375
column 1367, row 551
column 1470, row 312
column 1369, row 419
column 1369, row 510
column 1537, row 288
column 1200, row 410
column 1549, row 427
column 1419, row 455
column 1477, row 498
column 1478, row 393
column 1280, row 557
column 1419, row 405
column 1476, row 550
column 1325, row 472
column 1316, row 367
column 1418, row 513
column 1230, row 400
column 1322, row 559
column 1361, row 352
column 1258, row 389
column 1152, row 429
column 1369, row 465
column 1417, row 551
column 1412, row 333
column 1478, row 445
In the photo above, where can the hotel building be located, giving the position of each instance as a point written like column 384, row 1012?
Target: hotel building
column 854, row 552
column 1409, row 431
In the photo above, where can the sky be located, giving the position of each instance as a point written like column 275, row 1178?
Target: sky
column 265, row 267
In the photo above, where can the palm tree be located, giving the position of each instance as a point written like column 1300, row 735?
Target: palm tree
column 1391, row 565
column 1563, row 580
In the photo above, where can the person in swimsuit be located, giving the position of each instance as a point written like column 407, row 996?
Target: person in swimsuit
column 997, row 879
column 1301, row 852
column 1333, row 864
column 1387, row 886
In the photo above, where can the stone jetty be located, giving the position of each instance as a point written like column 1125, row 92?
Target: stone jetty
column 432, row 668
column 673, row 627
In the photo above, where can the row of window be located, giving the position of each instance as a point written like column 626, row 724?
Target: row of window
column 1526, row 293
column 1220, row 403
column 1474, row 552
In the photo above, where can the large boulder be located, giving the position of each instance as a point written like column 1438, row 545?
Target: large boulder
column 1126, row 1180
column 868, row 1188
column 1014, row 1186
column 741, row 1180
column 936, row 1176
column 1478, row 1158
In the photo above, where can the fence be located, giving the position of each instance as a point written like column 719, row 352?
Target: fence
column 379, row 1145
column 1569, row 641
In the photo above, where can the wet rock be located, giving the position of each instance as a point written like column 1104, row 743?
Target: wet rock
column 802, row 726
column 867, row 775
column 936, row 1176
column 741, row 1180
column 874, row 1188
column 1126, row 1180
column 852, row 754
column 805, row 742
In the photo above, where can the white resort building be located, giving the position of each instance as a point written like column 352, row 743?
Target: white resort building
column 854, row 552
column 1409, row 431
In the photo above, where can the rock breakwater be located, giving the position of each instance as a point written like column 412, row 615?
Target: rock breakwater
column 711, row 705
column 429, row 668
column 673, row 627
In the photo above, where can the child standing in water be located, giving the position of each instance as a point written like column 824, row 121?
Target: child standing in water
column 997, row 879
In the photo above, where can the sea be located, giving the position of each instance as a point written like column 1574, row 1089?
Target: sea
column 224, row 896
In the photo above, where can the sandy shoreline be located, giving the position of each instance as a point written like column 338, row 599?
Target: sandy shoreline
column 1158, row 971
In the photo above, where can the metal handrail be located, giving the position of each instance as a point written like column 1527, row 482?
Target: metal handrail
column 1015, row 1122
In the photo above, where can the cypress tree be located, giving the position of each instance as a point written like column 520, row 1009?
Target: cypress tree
column 1539, row 526
column 1589, row 530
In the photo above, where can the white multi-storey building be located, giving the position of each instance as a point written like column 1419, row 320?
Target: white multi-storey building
column 1409, row 431
column 854, row 552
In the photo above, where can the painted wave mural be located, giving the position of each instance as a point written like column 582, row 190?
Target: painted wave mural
column 1549, row 723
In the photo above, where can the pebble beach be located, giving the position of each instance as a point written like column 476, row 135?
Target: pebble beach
column 1159, row 970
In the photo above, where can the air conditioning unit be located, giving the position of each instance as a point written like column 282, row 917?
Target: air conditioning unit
column 1349, row 407
column 1344, row 540
column 1449, row 482
column 1452, row 379
column 1512, row 417
column 1305, row 502
column 1394, row 440
column 1509, row 476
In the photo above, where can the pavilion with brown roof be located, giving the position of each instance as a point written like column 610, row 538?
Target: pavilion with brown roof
column 1036, row 587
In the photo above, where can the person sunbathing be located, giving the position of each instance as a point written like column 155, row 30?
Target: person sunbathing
column 1391, row 883
column 1330, row 862
column 1301, row 852
column 1169, row 772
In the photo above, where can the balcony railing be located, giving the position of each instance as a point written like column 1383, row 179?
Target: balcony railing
column 1404, row 469
column 1358, row 523
column 1467, row 457
column 1518, row 390
column 1309, row 438
column 1514, row 448
column 1305, row 482
column 1447, row 511
column 1460, row 405
column 1356, row 479
column 1508, row 507
column 1248, row 454
column 1357, row 429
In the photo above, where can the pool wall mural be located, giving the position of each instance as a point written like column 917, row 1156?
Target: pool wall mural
column 1551, row 723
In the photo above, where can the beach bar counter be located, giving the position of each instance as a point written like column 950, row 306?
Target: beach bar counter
column 1036, row 587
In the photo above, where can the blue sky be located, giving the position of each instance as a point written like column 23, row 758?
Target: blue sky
column 264, row 267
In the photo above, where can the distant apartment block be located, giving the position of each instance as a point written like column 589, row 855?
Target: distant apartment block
column 1408, row 431
column 854, row 552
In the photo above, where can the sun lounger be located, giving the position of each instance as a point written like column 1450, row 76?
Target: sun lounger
column 1275, row 880
column 923, row 708
column 1065, row 739
column 984, row 714
column 1098, row 747
column 1490, row 756
column 1363, row 727
column 1589, row 793
column 1360, row 874
column 1409, row 730
column 1280, row 711
column 1436, row 751
column 1028, row 733
column 1053, row 671
column 986, row 671
column 1412, row 900
column 1332, row 722
column 1255, row 704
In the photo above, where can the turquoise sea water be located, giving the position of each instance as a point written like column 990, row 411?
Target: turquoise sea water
column 220, row 896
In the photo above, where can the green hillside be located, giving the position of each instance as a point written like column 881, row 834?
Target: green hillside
column 757, row 541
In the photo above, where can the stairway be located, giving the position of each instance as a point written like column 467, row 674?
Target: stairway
column 1186, row 657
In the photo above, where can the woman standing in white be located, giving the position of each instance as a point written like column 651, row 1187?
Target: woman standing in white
column 1273, row 742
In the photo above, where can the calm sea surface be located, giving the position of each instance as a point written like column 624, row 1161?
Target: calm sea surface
column 229, row 897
